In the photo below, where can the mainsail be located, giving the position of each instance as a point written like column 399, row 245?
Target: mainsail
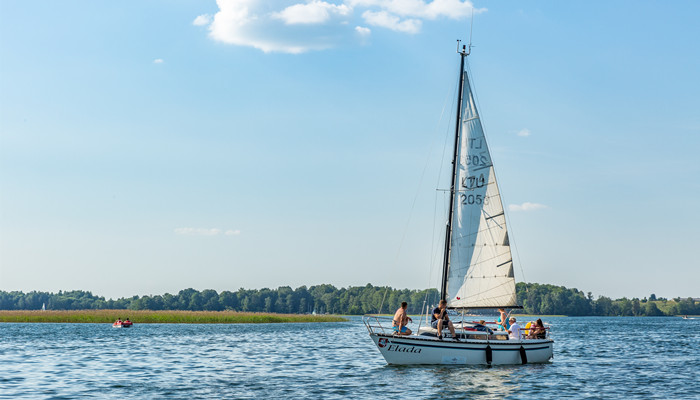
column 480, row 269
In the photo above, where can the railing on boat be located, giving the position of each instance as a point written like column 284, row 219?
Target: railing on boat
column 373, row 323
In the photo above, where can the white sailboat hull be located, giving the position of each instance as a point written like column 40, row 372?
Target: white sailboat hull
column 409, row 350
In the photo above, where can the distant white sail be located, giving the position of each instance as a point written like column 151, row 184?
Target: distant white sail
column 480, row 270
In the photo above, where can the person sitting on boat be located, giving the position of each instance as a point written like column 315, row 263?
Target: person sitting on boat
column 481, row 327
column 537, row 330
column 127, row 322
column 440, row 319
column 401, row 320
column 514, row 332
column 118, row 321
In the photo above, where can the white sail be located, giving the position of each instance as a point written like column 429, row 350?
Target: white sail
column 480, row 272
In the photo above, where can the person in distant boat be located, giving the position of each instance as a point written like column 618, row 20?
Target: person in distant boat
column 501, row 318
column 401, row 320
column 440, row 319
column 118, row 321
column 127, row 322
column 514, row 331
column 537, row 330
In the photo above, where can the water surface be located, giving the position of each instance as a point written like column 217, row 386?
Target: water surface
column 614, row 358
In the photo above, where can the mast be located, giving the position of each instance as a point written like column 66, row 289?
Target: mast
column 453, row 184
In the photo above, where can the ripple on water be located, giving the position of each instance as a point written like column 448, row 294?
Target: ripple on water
column 594, row 358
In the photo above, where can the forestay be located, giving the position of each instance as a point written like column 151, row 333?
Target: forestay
column 480, row 270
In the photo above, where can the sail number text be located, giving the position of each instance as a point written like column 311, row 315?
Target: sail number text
column 477, row 160
column 473, row 199
column 472, row 182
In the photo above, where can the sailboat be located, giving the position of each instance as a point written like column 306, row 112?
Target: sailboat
column 477, row 264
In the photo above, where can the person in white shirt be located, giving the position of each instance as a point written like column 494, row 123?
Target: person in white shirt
column 514, row 332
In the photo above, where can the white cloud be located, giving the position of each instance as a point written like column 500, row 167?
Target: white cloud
column 315, row 12
column 245, row 23
column 206, row 231
column 296, row 26
column 524, row 132
column 526, row 207
column 362, row 31
column 390, row 21
column 158, row 61
column 202, row 20
column 453, row 9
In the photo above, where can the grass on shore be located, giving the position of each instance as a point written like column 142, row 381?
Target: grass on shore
column 174, row 317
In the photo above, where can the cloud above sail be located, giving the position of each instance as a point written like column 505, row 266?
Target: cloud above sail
column 527, row 206
column 315, row 12
column 297, row 27
column 207, row 231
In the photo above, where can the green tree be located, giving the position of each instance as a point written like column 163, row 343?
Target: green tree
column 652, row 310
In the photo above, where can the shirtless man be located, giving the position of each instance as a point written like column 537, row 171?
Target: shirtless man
column 441, row 318
column 401, row 320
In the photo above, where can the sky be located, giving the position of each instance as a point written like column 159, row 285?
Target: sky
column 148, row 147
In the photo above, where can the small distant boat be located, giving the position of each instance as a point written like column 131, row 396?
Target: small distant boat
column 122, row 324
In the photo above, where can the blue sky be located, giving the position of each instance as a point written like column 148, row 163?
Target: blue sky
column 146, row 147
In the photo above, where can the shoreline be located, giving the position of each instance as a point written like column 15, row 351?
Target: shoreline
column 159, row 317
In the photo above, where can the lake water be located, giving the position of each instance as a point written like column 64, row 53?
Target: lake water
column 614, row 358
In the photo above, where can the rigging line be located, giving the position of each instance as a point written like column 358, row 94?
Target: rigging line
column 447, row 137
column 512, row 241
column 432, row 243
column 437, row 184
column 415, row 197
column 511, row 237
column 442, row 235
column 435, row 252
column 382, row 303
column 455, row 110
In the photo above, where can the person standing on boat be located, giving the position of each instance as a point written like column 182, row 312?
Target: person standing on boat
column 401, row 320
column 502, row 320
column 440, row 319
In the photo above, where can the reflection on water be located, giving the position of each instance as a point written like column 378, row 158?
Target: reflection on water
column 593, row 358
column 454, row 382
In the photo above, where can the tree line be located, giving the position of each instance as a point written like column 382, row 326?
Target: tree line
column 321, row 299
column 356, row 300
column 550, row 299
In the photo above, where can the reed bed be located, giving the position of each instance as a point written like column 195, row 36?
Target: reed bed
column 160, row 317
